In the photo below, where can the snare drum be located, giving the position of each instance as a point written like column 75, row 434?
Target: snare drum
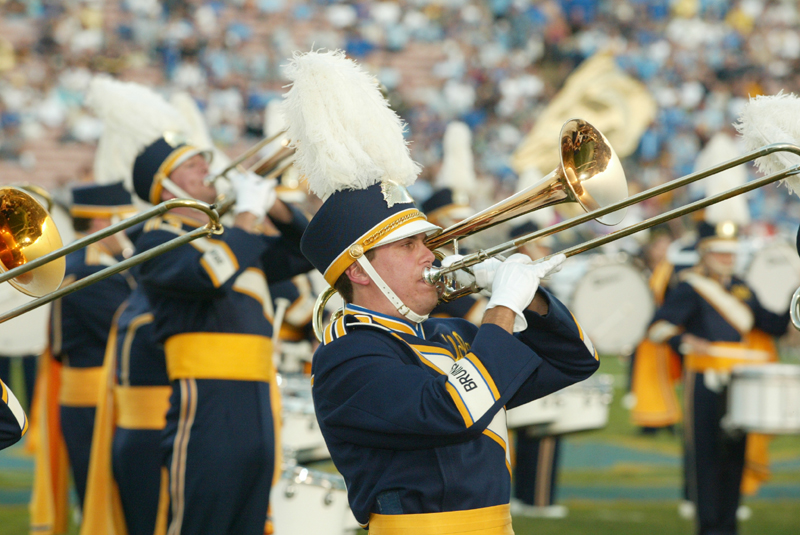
column 310, row 501
column 765, row 399
column 614, row 305
column 774, row 274
column 538, row 411
column 582, row 407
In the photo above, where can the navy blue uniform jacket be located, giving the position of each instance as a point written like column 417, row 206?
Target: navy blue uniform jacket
column 414, row 415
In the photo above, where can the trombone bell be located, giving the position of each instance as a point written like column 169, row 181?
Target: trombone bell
column 27, row 232
column 590, row 174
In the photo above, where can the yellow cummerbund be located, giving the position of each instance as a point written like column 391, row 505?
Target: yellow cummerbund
column 725, row 355
column 80, row 387
column 485, row 521
column 237, row 357
column 142, row 407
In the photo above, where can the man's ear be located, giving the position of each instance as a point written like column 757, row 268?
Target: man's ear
column 357, row 275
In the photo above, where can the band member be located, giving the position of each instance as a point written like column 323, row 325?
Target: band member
column 714, row 321
column 125, row 472
column 81, row 321
column 13, row 422
column 212, row 311
column 412, row 409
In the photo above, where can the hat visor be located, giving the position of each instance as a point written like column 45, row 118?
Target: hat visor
column 205, row 153
column 409, row 229
column 719, row 246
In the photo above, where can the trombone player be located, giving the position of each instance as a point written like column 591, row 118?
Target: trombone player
column 412, row 408
column 213, row 313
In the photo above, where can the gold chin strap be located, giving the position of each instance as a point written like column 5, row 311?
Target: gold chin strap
column 389, row 293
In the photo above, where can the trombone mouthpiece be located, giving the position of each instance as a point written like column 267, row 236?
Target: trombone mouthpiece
column 432, row 275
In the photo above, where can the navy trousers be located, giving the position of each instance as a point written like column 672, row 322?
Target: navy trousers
column 137, row 470
column 77, row 427
column 714, row 458
column 537, row 469
column 219, row 447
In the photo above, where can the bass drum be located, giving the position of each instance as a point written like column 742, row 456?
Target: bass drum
column 614, row 305
column 774, row 275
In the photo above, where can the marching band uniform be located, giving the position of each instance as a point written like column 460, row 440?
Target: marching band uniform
column 13, row 422
column 729, row 316
column 141, row 396
column 125, row 473
column 423, row 404
column 80, row 323
column 213, row 312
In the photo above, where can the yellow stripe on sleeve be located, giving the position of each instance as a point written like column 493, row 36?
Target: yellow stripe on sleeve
column 473, row 358
column 462, row 409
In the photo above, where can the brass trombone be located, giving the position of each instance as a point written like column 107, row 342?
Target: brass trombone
column 269, row 166
column 32, row 255
column 442, row 276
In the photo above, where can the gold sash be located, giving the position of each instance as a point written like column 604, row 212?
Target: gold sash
column 80, row 387
column 485, row 521
column 237, row 357
column 142, row 407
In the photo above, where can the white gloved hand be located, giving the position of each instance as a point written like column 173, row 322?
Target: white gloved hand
column 515, row 284
column 484, row 274
column 253, row 194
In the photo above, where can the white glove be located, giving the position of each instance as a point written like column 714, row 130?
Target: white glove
column 515, row 284
column 253, row 194
column 484, row 274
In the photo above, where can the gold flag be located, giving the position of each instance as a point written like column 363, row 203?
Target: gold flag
column 598, row 92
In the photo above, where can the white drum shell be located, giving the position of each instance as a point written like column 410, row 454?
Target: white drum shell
column 614, row 305
column 583, row 406
column 765, row 399
column 301, row 437
column 539, row 411
column 579, row 407
column 774, row 275
column 307, row 501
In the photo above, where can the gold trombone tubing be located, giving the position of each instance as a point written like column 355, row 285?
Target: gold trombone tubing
column 212, row 227
column 243, row 157
column 434, row 275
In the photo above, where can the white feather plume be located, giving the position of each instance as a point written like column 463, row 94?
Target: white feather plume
column 458, row 167
column 345, row 134
column 772, row 119
column 719, row 149
column 133, row 117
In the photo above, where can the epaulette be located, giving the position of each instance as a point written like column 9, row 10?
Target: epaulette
column 343, row 324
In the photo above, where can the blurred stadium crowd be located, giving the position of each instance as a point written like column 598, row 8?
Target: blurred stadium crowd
column 492, row 64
